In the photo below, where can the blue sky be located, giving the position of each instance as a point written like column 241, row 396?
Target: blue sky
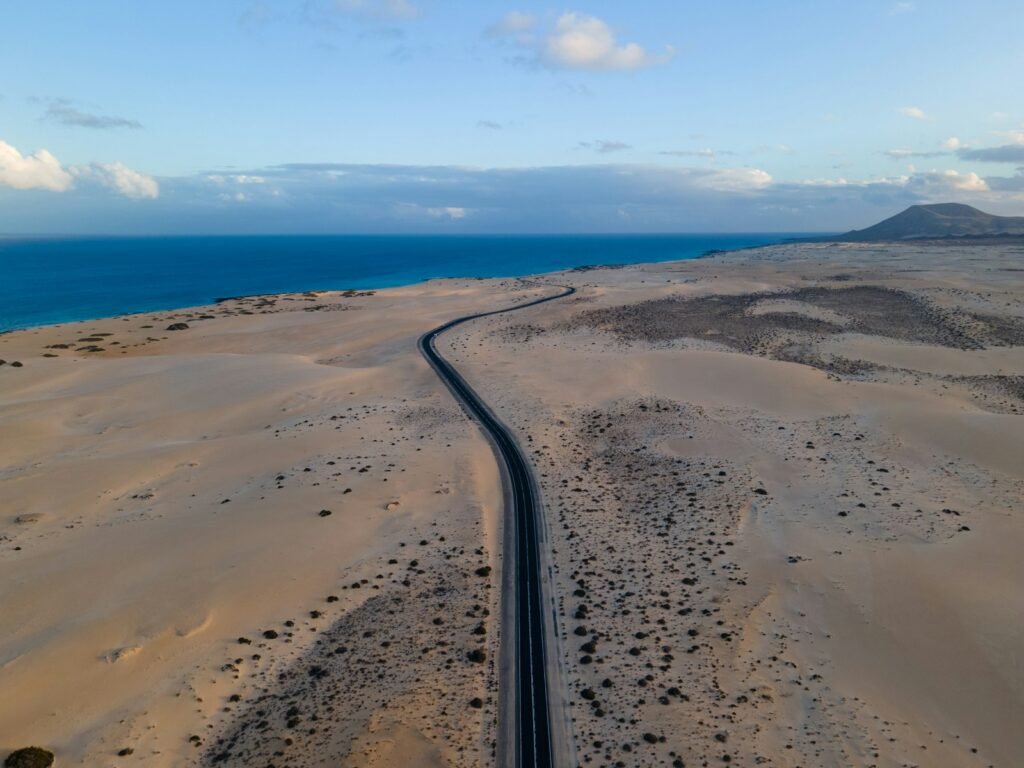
column 422, row 115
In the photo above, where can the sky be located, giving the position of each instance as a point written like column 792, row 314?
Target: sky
column 469, row 116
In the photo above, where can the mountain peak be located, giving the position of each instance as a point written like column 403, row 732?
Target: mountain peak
column 939, row 220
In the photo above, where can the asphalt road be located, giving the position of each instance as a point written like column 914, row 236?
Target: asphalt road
column 533, row 726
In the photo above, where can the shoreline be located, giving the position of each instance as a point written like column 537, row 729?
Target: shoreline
column 171, row 310
column 381, row 282
column 215, row 301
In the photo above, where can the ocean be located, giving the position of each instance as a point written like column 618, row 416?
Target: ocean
column 56, row 280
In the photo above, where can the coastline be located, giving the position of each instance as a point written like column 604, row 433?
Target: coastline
column 101, row 277
column 240, row 499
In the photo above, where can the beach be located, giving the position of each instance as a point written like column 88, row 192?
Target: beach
column 782, row 490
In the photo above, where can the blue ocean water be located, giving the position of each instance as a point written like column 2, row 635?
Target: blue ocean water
column 55, row 280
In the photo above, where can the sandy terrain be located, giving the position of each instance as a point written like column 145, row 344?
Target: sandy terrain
column 783, row 489
column 260, row 534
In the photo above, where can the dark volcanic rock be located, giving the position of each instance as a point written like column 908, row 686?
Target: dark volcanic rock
column 29, row 757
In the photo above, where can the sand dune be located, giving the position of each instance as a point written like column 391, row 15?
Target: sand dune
column 783, row 490
column 797, row 552
column 162, row 503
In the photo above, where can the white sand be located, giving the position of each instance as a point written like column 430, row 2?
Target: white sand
column 865, row 609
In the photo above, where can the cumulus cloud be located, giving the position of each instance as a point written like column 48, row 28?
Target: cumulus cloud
column 944, row 182
column 575, row 41
column 915, row 112
column 925, row 186
column 40, row 170
column 327, row 197
column 381, row 9
column 120, row 179
column 580, row 41
column 952, row 143
column 64, row 113
column 589, row 197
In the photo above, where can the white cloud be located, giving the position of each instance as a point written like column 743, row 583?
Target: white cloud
column 388, row 9
column 40, row 170
column 333, row 198
column 941, row 181
column 735, row 180
column 926, row 186
column 119, row 178
column 952, row 143
column 580, row 41
column 576, row 41
column 915, row 112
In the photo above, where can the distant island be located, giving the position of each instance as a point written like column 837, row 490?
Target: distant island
column 939, row 221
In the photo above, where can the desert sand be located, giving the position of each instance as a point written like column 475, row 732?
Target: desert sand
column 276, row 507
column 783, row 490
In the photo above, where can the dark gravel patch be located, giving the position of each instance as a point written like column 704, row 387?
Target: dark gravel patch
column 726, row 319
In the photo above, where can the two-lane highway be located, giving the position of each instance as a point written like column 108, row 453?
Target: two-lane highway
column 534, row 745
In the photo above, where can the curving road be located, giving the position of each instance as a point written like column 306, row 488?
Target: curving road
column 531, row 731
